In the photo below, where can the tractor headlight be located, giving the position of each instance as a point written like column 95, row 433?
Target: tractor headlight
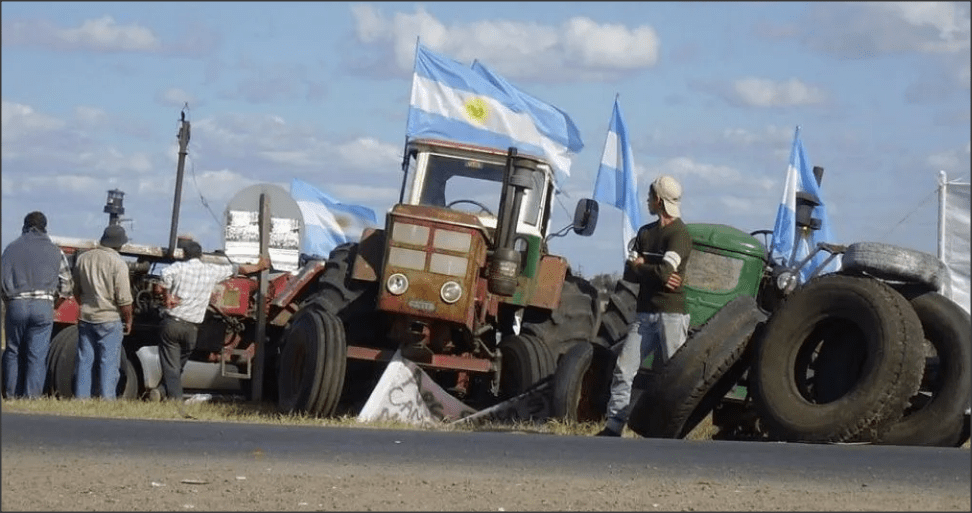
column 786, row 282
column 397, row 284
column 451, row 292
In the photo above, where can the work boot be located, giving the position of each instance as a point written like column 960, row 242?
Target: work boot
column 608, row 432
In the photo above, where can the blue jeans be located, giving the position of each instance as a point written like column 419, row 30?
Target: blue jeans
column 99, row 359
column 29, row 323
column 659, row 333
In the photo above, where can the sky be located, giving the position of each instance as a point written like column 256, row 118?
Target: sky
column 711, row 93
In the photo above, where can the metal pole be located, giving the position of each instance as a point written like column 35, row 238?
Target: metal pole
column 183, row 144
column 942, row 181
column 261, row 311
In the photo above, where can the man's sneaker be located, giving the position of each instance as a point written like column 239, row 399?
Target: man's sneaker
column 608, row 432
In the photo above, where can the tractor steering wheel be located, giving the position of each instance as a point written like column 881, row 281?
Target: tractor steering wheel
column 483, row 208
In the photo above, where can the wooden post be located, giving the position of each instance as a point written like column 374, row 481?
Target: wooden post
column 261, row 311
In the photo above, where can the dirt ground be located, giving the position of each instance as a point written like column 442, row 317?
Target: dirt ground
column 45, row 481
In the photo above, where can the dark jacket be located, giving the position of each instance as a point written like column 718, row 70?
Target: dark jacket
column 653, row 242
column 31, row 263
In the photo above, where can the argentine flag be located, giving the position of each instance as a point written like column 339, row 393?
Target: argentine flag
column 786, row 238
column 476, row 106
column 328, row 222
column 616, row 184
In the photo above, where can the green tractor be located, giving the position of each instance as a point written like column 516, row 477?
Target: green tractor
column 871, row 353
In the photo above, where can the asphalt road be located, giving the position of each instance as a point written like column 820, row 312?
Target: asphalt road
column 942, row 469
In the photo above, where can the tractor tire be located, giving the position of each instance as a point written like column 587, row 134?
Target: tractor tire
column 940, row 420
column 682, row 392
column 840, row 316
column 894, row 263
column 63, row 355
column 301, row 370
column 335, row 365
column 572, row 321
column 525, row 361
column 352, row 301
column 619, row 313
column 581, row 383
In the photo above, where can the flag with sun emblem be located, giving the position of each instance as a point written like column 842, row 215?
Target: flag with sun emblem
column 328, row 222
column 474, row 105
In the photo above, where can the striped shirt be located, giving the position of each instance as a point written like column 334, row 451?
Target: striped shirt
column 192, row 281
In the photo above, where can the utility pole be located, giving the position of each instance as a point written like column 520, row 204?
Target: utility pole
column 183, row 145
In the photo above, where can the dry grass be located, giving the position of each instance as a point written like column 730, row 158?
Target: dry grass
column 245, row 412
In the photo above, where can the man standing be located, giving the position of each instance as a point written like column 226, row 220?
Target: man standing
column 186, row 288
column 657, row 261
column 36, row 279
column 101, row 284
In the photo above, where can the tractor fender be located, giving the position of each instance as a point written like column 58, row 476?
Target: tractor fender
column 370, row 254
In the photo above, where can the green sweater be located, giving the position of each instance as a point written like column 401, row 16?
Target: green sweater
column 661, row 247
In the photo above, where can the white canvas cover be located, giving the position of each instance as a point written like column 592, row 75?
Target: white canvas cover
column 954, row 239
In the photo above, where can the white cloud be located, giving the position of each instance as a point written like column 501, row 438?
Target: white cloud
column 18, row 119
column 175, row 97
column 100, row 34
column 710, row 173
column 864, row 30
column 770, row 135
column 760, row 92
column 954, row 162
column 577, row 49
column 943, row 26
column 90, row 116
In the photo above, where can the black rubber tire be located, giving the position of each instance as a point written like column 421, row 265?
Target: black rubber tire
column 682, row 392
column 894, row 263
column 619, row 313
column 301, row 366
column 335, row 365
column 63, row 355
column 568, row 382
column 525, row 361
column 571, row 322
column 852, row 314
column 353, row 301
column 940, row 420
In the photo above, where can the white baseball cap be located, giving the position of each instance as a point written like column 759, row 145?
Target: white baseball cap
column 670, row 192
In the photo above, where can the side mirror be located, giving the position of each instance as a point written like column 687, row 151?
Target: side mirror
column 585, row 217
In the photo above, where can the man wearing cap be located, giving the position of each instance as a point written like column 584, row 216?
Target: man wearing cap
column 36, row 278
column 656, row 261
column 101, row 285
column 186, row 288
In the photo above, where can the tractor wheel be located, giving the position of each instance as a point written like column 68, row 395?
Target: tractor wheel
column 571, row 322
column 352, row 301
column 682, row 392
column 838, row 362
column 888, row 262
column 581, row 383
column 619, row 313
column 526, row 360
column 63, row 355
column 335, row 365
column 301, row 363
column 936, row 416
column 309, row 371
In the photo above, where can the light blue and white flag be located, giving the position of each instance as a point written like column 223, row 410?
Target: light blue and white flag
column 327, row 221
column 616, row 184
column 788, row 245
column 476, row 106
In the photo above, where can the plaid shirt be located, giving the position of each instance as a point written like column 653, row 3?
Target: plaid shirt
column 192, row 281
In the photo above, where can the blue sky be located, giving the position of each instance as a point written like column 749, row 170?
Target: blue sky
column 711, row 93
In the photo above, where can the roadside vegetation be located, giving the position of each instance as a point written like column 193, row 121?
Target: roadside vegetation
column 229, row 410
